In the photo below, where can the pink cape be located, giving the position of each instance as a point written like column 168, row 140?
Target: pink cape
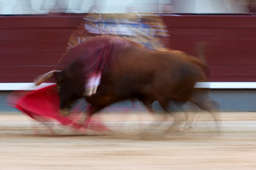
column 43, row 105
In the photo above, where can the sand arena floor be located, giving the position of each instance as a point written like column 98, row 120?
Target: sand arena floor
column 199, row 148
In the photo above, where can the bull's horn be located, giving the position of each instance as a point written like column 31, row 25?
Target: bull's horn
column 44, row 77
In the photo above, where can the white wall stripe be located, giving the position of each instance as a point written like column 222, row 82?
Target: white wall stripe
column 209, row 85
column 20, row 86
column 227, row 85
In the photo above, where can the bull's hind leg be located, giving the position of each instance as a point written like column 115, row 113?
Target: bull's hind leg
column 164, row 103
column 157, row 121
column 203, row 102
column 177, row 121
column 165, row 106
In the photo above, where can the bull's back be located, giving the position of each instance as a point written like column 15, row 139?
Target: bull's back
column 135, row 70
column 132, row 68
column 143, row 64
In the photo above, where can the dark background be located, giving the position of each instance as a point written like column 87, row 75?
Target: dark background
column 31, row 45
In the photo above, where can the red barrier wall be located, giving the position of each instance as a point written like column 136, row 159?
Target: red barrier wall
column 230, row 42
column 31, row 45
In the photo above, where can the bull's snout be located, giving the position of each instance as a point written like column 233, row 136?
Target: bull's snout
column 64, row 112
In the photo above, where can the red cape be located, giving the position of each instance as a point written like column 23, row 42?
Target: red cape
column 43, row 105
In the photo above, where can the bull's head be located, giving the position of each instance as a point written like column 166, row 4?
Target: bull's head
column 70, row 89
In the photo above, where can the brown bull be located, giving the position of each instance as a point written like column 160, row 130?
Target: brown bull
column 128, row 72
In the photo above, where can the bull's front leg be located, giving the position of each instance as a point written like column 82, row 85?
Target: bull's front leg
column 86, row 121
